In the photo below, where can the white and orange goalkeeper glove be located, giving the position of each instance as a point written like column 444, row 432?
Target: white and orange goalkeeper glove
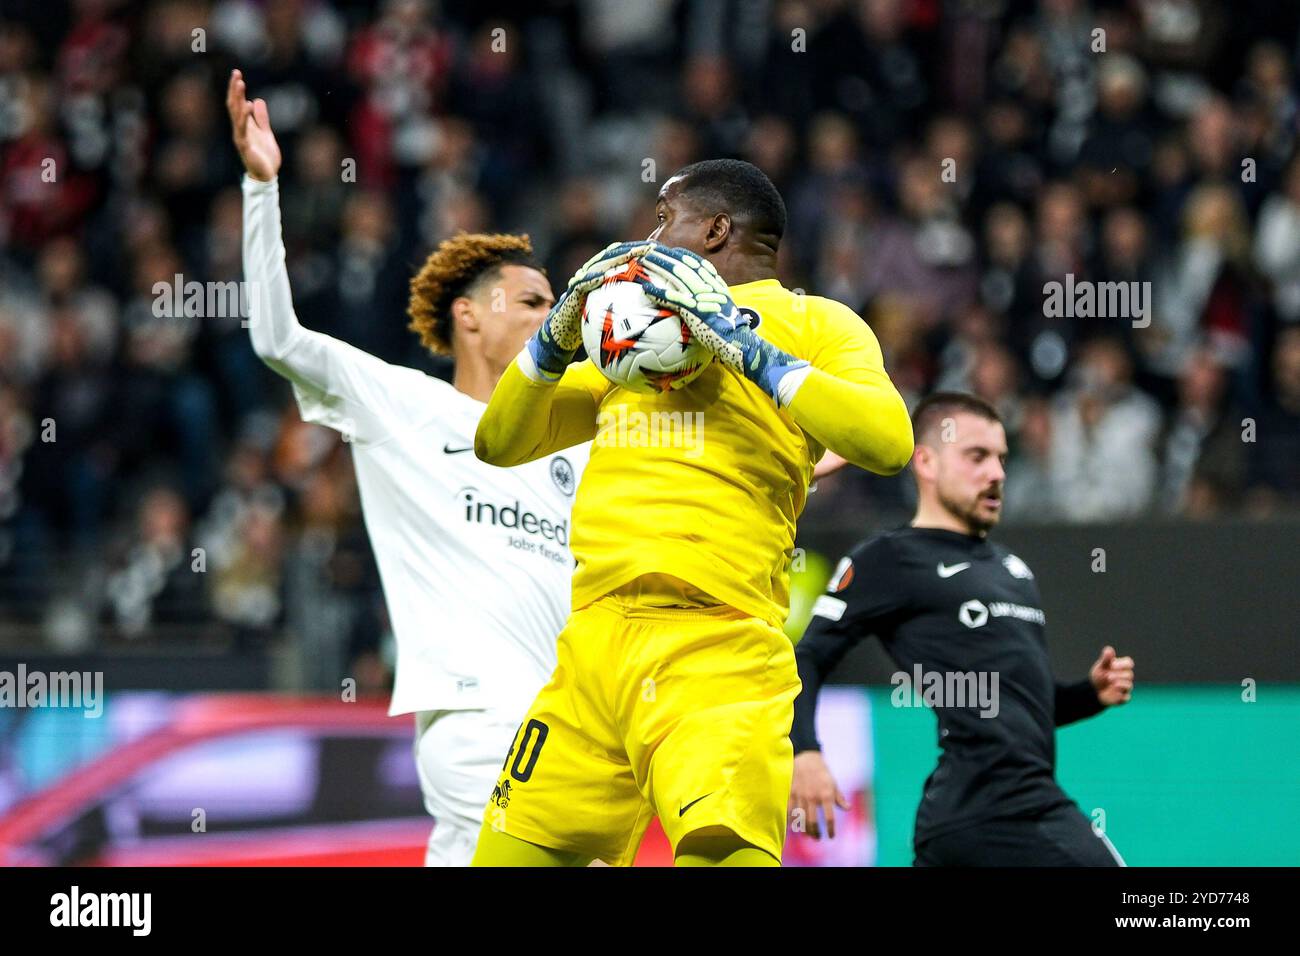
column 680, row 280
column 558, row 340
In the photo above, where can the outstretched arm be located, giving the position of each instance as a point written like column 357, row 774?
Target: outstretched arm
column 336, row 384
column 272, row 323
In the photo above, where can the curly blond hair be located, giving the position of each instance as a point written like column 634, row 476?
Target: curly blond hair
column 450, row 271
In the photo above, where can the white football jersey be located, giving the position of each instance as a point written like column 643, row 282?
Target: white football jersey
column 474, row 559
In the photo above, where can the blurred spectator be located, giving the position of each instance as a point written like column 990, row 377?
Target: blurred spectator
column 712, row 106
column 42, row 193
column 925, row 251
column 628, row 54
column 1009, row 284
column 903, row 344
column 1277, row 244
column 222, row 340
column 313, row 200
column 578, row 234
column 187, row 171
column 1275, row 452
column 163, row 403
column 1028, row 493
column 68, row 469
column 1204, row 457
column 772, row 146
column 490, row 90
column 246, row 580
column 367, row 279
column 835, row 173
column 152, row 579
column 1104, row 431
column 1117, row 152
column 1207, row 288
column 1009, row 169
column 1270, row 104
column 403, row 65
column 870, row 67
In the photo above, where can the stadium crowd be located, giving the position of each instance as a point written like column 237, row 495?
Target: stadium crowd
column 942, row 160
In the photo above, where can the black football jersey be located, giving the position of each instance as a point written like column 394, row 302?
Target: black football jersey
column 961, row 617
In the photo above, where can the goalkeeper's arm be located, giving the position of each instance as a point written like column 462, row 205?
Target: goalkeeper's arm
column 864, row 421
column 529, row 417
column 851, row 407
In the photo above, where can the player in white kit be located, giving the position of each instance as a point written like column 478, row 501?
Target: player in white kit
column 474, row 559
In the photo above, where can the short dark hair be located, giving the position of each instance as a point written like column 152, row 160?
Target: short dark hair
column 937, row 406
column 739, row 188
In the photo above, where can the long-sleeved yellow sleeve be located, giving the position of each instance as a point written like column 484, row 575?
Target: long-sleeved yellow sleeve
column 526, row 420
column 864, row 422
column 847, row 401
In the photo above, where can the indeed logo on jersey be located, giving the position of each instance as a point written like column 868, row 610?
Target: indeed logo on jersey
column 977, row 613
column 511, row 516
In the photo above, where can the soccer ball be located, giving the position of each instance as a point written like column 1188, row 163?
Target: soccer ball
column 637, row 344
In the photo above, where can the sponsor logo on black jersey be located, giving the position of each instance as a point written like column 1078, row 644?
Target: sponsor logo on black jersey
column 976, row 613
column 973, row 614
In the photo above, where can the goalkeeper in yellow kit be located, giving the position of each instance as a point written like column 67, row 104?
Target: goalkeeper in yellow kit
column 674, row 688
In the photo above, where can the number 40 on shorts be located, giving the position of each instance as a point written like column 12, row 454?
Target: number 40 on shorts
column 527, row 744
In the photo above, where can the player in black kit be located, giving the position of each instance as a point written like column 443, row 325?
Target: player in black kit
column 965, row 614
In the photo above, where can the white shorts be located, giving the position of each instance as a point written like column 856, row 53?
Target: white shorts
column 459, row 754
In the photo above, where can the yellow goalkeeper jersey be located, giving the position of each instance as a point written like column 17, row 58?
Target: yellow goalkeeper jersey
column 703, row 484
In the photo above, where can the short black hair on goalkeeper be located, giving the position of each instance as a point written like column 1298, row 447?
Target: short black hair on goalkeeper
column 739, row 188
column 934, row 408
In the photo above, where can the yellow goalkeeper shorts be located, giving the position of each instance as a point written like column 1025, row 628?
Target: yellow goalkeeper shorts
column 682, row 712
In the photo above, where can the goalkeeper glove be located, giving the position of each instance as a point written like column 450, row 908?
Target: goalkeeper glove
column 552, row 349
column 692, row 287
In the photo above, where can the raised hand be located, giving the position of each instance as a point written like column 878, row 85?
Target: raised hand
column 250, row 127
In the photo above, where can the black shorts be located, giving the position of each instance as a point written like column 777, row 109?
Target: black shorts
column 1060, row 837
